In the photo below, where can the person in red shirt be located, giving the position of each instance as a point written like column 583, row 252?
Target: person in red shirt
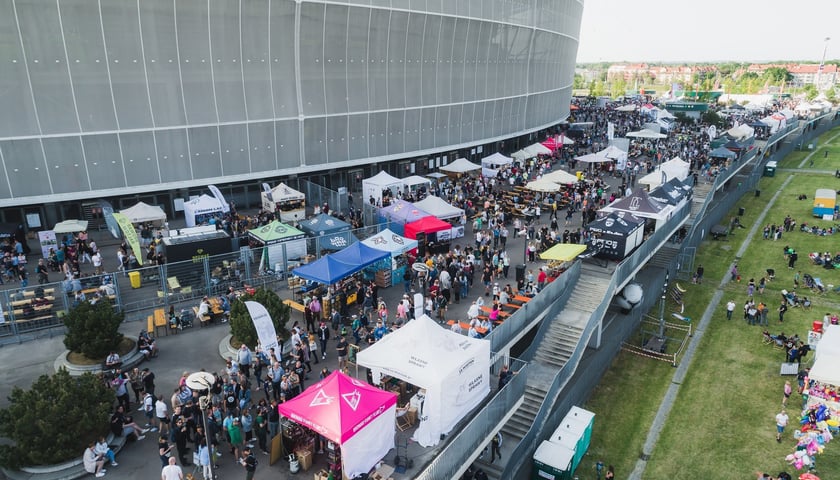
column 541, row 278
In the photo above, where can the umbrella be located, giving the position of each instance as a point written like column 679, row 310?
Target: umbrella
column 71, row 226
column 559, row 176
column 564, row 252
column 627, row 108
column 612, row 152
column 543, row 186
column 633, row 293
column 592, row 158
column 420, row 267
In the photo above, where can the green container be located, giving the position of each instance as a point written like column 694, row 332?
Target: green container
column 770, row 169
column 552, row 462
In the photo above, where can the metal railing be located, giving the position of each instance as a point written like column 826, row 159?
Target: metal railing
column 451, row 460
column 544, row 305
column 529, row 442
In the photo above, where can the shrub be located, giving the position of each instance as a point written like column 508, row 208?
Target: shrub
column 241, row 325
column 93, row 330
column 53, row 421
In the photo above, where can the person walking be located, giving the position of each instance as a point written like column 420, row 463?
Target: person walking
column 781, row 423
column 730, row 307
column 495, row 447
column 172, row 471
column 249, row 461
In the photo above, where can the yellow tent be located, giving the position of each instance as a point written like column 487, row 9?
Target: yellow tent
column 564, row 252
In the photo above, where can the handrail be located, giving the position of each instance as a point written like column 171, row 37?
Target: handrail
column 564, row 375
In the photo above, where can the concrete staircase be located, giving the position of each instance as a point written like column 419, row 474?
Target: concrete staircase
column 562, row 337
column 701, row 191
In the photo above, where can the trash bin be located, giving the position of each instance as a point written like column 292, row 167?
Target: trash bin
column 520, row 273
column 134, row 278
column 758, row 193
column 741, row 211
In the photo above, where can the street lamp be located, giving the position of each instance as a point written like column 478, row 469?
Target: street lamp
column 197, row 382
column 822, row 62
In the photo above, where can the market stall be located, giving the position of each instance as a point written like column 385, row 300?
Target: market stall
column 825, row 200
column 144, row 213
column 641, row 205
column 202, row 209
column 460, row 166
column 397, row 246
column 496, row 160
column 825, row 370
column 453, row 369
column 382, row 188
column 670, row 194
column 283, row 243
column 417, row 186
column 432, row 230
column 561, row 177
column 439, row 208
column 355, row 417
column 327, row 233
column 400, row 212
column 289, row 203
column 673, row 168
column 617, row 234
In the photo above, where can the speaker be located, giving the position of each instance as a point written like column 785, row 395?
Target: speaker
column 421, row 245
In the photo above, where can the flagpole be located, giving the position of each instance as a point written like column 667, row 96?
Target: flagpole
column 822, row 63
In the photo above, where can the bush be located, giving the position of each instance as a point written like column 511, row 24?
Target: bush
column 241, row 325
column 53, row 421
column 93, row 330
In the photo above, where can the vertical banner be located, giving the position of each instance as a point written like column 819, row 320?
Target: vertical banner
column 264, row 327
column 110, row 221
column 610, row 130
column 48, row 241
column 221, row 198
column 130, row 235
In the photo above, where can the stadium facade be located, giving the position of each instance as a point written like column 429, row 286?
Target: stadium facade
column 155, row 99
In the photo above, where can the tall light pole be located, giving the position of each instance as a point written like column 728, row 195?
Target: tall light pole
column 822, row 63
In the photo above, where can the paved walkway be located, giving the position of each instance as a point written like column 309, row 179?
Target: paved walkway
column 679, row 375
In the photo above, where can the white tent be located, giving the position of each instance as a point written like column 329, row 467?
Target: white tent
column 71, row 226
column 388, row 241
column 291, row 202
column 373, row 186
column 496, row 160
column 462, row 165
column 741, row 132
column 673, row 168
column 646, row 133
column 630, row 107
column 560, row 176
column 416, row 181
column 201, row 208
column 827, row 357
column 592, row 158
column 543, row 185
column 142, row 213
column 523, row 154
column 452, row 368
column 562, row 139
column 438, row 207
column 538, row 149
column 662, row 114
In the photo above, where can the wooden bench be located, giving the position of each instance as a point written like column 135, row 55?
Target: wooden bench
column 31, row 293
column 202, row 319
column 466, row 327
column 160, row 320
column 295, row 305
column 23, row 303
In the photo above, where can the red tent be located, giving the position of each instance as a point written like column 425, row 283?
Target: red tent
column 428, row 225
column 349, row 412
column 552, row 144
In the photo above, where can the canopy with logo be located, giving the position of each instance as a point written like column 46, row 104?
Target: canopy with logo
column 283, row 242
column 429, row 225
column 329, row 232
column 201, row 209
column 142, row 213
column 641, row 205
column 453, row 369
column 326, row 270
column 402, row 212
column 617, row 234
column 357, row 416
column 390, row 242
column 290, row 202
column 373, row 186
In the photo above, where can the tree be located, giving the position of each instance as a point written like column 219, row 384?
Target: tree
column 93, row 329
column 241, row 325
column 810, row 91
column 777, row 75
column 53, row 421
column 596, row 88
column 712, row 118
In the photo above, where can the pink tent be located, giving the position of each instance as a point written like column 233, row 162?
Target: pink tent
column 349, row 412
column 552, row 144
column 428, row 224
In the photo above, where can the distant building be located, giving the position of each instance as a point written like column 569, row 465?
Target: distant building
column 808, row 74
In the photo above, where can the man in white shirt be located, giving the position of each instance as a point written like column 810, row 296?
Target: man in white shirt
column 730, row 307
column 97, row 263
column 456, row 327
column 473, row 311
column 172, row 471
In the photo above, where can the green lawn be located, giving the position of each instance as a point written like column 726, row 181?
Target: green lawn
column 722, row 423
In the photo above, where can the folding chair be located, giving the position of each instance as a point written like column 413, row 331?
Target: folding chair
column 403, row 422
column 173, row 283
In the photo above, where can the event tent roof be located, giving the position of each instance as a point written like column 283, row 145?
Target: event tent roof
column 400, row 211
column 646, row 133
column 383, row 179
column 285, row 193
column 673, row 168
column 637, row 203
column 416, row 180
column 564, row 252
column 143, row 212
column 326, row 270
column 667, row 193
column 439, row 207
column 390, row 242
column 538, row 149
column 360, row 254
column 543, row 185
column 428, row 225
column 560, row 176
column 630, row 107
column 722, row 152
column 275, row 232
column 497, row 159
column 453, row 368
column 462, row 165
column 350, row 412
column 616, row 223
column 827, row 357
column 71, row 226
column 335, row 233
column 612, row 152
column 566, row 140
column 593, row 158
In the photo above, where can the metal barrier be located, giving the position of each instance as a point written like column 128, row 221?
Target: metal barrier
column 450, row 461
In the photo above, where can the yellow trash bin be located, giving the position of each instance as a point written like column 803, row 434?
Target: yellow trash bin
column 134, row 278
column 579, row 175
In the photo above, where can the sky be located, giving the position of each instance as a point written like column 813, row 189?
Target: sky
column 708, row 30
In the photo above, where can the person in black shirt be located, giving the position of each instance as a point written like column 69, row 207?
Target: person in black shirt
column 250, row 463
column 341, row 351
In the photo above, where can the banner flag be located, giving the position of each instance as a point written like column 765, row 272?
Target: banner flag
column 130, row 235
column 221, row 198
column 264, row 327
column 110, row 221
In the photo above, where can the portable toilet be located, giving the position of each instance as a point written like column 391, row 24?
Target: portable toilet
column 552, row 462
column 570, row 440
column 770, row 169
column 824, row 201
column 586, row 417
column 576, row 429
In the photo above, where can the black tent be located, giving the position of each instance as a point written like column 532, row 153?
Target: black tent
column 617, row 234
column 667, row 193
column 733, row 145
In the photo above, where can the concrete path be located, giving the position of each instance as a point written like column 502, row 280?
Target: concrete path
column 679, row 375
column 810, row 155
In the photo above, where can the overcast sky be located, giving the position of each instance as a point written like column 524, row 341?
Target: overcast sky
column 708, row 30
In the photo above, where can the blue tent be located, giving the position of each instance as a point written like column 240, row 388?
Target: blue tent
column 330, row 232
column 360, row 254
column 402, row 212
column 326, row 270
